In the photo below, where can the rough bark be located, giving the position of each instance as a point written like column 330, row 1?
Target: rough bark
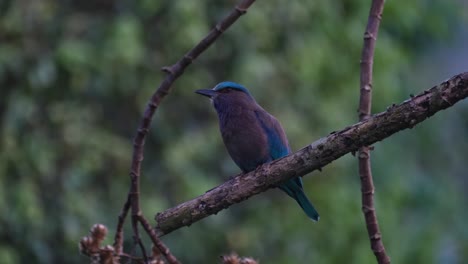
column 364, row 156
column 316, row 155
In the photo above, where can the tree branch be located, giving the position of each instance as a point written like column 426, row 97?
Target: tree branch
column 365, row 103
column 315, row 156
column 163, row 249
column 173, row 72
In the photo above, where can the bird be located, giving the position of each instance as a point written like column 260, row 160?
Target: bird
column 252, row 136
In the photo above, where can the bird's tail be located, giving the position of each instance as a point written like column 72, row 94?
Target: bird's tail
column 295, row 191
column 306, row 205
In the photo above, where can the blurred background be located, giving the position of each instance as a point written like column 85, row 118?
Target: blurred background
column 75, row 77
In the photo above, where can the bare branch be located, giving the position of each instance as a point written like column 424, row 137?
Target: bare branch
column 118, row 239
column 136, row 237
column 365, row 103
column 156, row 242
column 315, row 156
column 173, row 72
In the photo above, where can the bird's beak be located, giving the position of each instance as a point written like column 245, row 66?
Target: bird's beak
column 206, row 92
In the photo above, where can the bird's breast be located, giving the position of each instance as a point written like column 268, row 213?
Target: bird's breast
column 244, row 139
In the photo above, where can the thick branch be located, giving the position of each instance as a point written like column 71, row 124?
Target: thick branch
column 315, row 156
column 365, row 103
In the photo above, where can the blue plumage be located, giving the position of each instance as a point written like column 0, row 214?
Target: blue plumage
column 252, row 136
column 231, row 85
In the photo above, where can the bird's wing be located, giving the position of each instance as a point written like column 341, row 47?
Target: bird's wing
column 277, row 140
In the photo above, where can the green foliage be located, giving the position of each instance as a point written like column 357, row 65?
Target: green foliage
column 75, row 77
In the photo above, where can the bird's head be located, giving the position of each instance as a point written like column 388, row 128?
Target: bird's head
column 226, row 92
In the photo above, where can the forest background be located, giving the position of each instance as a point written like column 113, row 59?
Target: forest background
column 75, row 77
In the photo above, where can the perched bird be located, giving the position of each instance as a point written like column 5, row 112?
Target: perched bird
column 252, row 136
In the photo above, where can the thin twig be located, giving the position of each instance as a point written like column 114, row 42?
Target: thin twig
column 173, row 72
column 317, row 155
column 136, row 237
column 365, row 103
column 132, row 258
column 157, row 242
column 118, row 239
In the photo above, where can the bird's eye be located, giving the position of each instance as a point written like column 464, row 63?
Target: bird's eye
column 225, row 90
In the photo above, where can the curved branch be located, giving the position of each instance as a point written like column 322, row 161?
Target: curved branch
column 365, row 103
column 173, row 72
column 315, row 156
